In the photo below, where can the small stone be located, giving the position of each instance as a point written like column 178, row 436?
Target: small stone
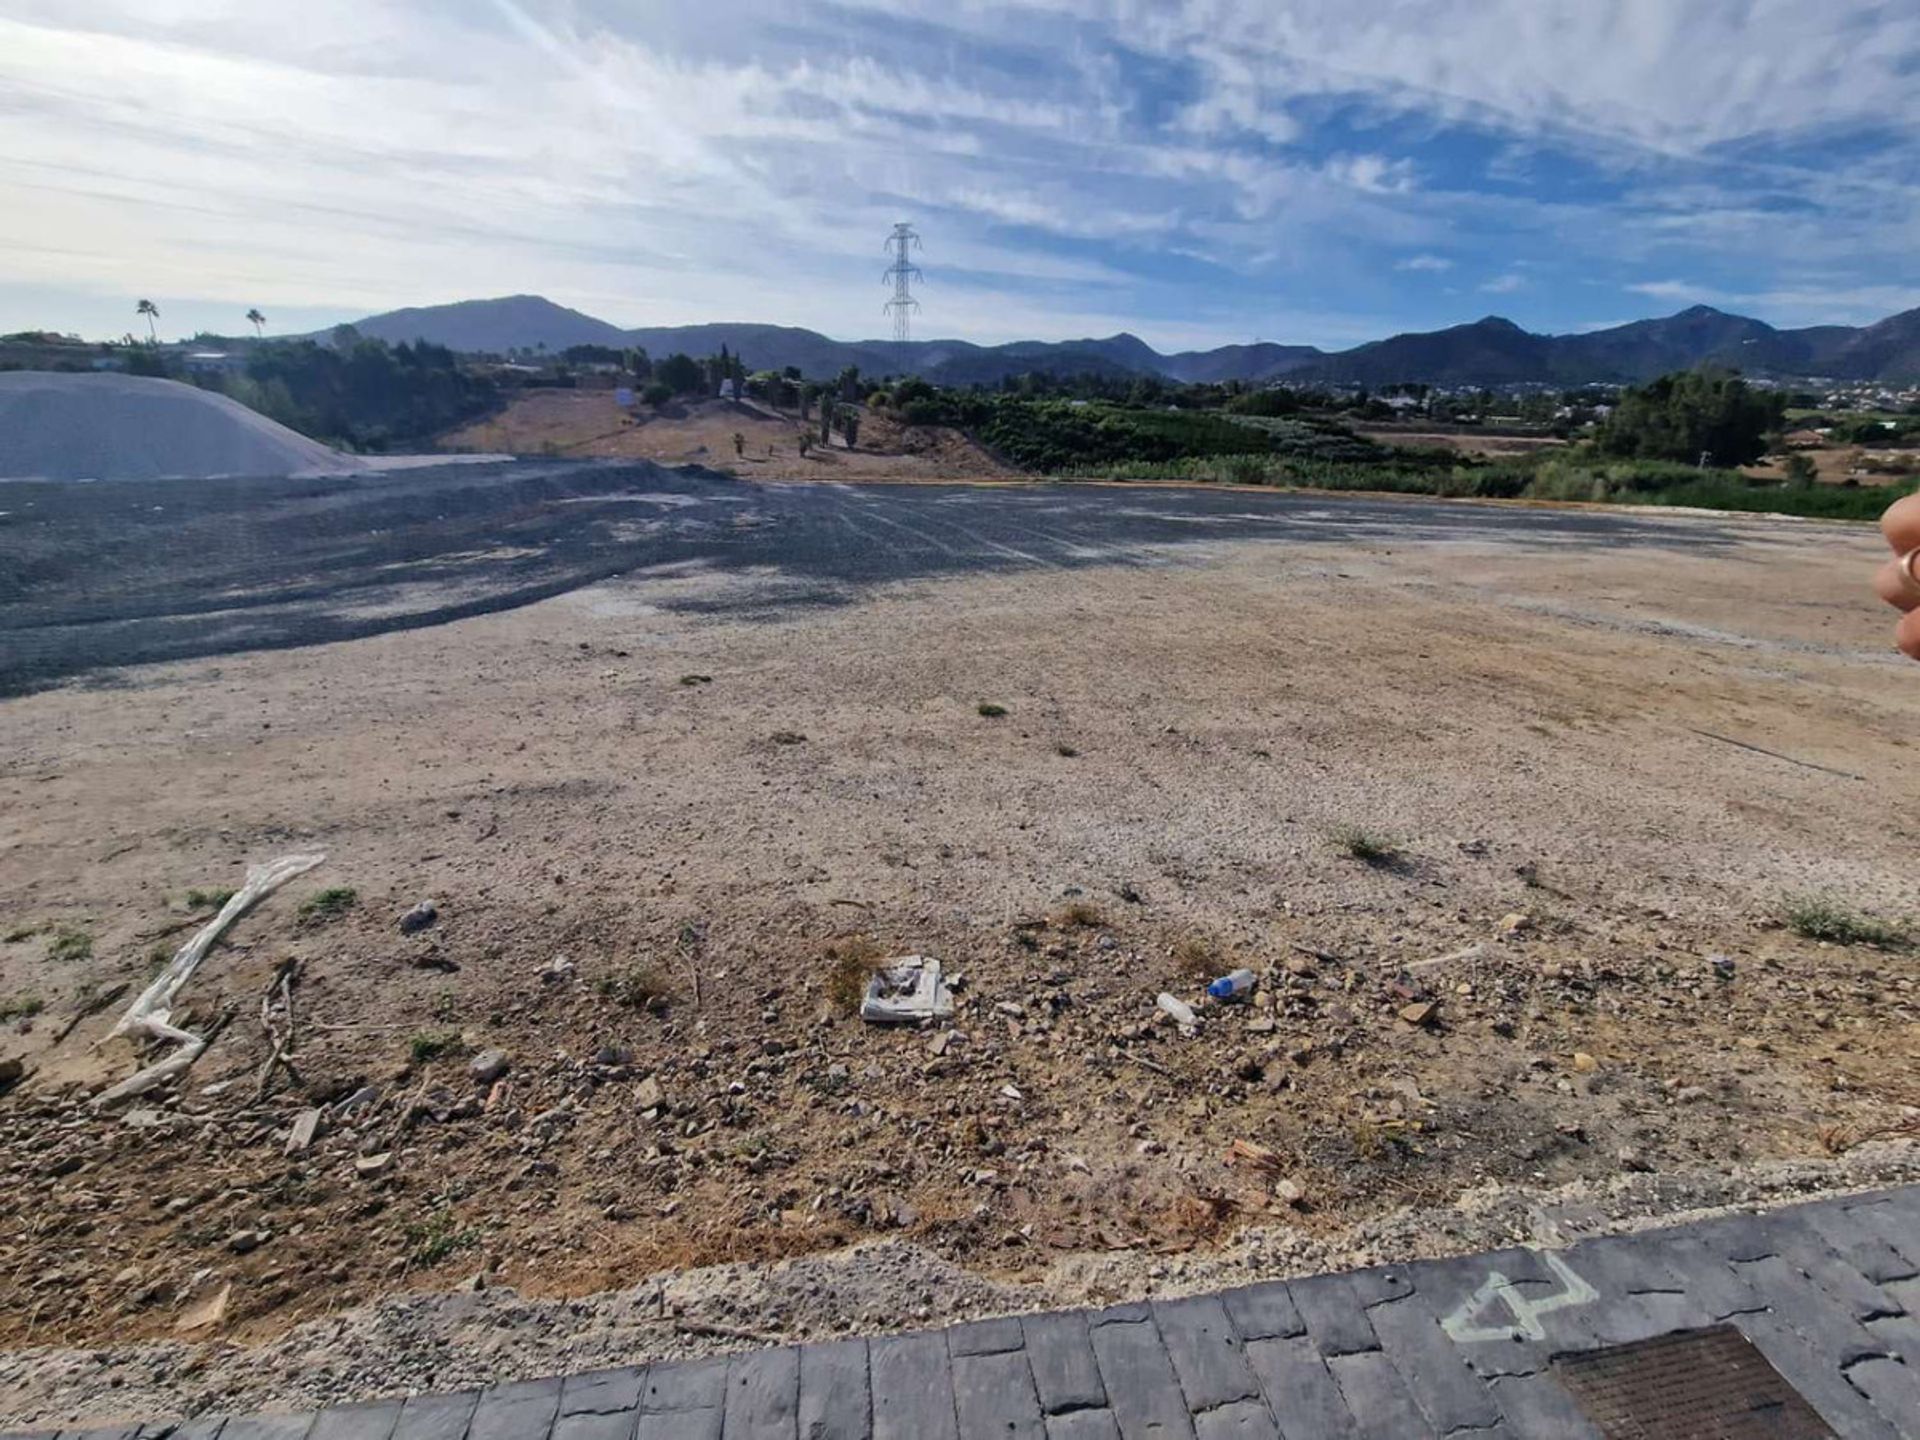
column 613, row 1055
column 370, row 1166
column 940, row 1041
column 242, row 1241
column 1584, row 1063
column 205, row 1314
column 1515, row 923
column 1632, row 1159
column 306, row 1129
column 418, row 918
column 1290, row 1192
column 1723, row 966
column 647, row 1095
column 1419, row 1013
column 488, row 1066
column 11, row 1070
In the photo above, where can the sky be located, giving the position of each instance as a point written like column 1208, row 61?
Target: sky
column 1196, row 172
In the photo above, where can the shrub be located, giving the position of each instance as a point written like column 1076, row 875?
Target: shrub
column 1820, row 917
column 1367, row 845
column 850, row 965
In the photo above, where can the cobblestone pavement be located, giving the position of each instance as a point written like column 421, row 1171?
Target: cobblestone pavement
column 1828, row 1293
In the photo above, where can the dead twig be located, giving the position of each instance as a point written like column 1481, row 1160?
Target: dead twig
column 1325, row 957
column 93, row 1005
column 280, row 1034
column 1776, row 755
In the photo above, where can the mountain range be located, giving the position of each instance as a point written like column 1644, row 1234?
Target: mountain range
column 1492, row 351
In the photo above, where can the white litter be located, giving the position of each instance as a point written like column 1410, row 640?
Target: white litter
column 151, row 1014
column 1181, row 1012
column 907, row 990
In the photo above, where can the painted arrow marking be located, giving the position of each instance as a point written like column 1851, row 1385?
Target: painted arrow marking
column 1525, row 1310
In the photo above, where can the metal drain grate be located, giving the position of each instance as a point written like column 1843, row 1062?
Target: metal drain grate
column 1697, row 1385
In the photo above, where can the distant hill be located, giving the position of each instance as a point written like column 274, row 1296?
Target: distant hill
column 512, row 322
column 1492, row 351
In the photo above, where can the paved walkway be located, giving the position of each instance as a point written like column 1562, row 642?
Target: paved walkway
column 1487, row 1345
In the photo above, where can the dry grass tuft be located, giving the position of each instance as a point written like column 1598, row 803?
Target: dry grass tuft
column 851, row 963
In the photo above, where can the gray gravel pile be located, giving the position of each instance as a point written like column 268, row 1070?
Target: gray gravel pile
column 128, row 427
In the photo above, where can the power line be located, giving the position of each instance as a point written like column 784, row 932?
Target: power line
column 900, row 272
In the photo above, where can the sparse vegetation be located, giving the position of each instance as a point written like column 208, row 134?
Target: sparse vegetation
column 433, row 1239
column 1065, row 751
column 328, row 904
column 426, row 1045
column 1197, row 958
column 990, row 710
column 1821, row 917
column 21, row 1007
column 70, row 944
column 22, row 932
column 208, row 899
column 1365, row 845
column 1079, row 915
column 850, row 965
column 639, row 987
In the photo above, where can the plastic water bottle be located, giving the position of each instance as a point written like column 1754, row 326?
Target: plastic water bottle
column 1229, row 987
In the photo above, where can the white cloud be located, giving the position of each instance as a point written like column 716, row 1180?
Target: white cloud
column 1504, row 284
column 1435, row 264
column 1374, row 173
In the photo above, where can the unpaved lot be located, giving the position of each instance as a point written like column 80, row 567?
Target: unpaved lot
column 659, row 815
column 587, row 423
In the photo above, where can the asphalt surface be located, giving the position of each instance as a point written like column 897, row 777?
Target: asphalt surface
column 96, row 575
column 1798, row 1324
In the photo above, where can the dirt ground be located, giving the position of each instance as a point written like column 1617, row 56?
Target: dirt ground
column 580, row 423
column 1837, row 464
column 661, row 841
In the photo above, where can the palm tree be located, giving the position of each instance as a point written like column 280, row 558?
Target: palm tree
column 256, row 319
column 152, row 312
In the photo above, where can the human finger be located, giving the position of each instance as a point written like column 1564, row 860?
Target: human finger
column 1901, row 524
column 1907, row 635
column 1893, row 584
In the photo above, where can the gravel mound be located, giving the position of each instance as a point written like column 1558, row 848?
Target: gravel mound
column 129, row 427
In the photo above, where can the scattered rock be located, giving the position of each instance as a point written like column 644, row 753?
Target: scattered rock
column 370, row 1166
column 647, row 1095
column 1419, row 1014
column 419, row 918
column 243, row 1241
column 1515, row 923
column 1584, row 1063
column 556, row 970
column 1632, row 1159
column 1290, row 1192
column 1723, row 966
column 306, row 1129
column 488, row 1066
column 205, row 1314
column 11, row 1070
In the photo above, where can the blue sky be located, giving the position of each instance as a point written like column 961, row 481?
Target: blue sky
column 1322, row 172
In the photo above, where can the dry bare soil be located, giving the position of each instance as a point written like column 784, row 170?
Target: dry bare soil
column 583, row 423
column 665, row 826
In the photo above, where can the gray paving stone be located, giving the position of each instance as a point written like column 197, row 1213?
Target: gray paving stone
column 1300, row 1390
column 763, row 1395
column 1260, row 1312
column 993, row 1395
column 371, row 1421
column 689, row 1385
column 602, row 1392
column 1060, row 1355
column 1803, row 1307
column 681, row 1424
column 1448, row 1393
column 1142, row 1390
column 436, row 1417
column 1241, row 1420
column 1891, row 1388
column 835, row 1403
column 105, row 1432
column 1537, row 1407
column 1083, row 1425
column 513, row 1412
column 985, row 1337
column 268, row 1427
column 1206, row 1351
column 1132, row 1311
column 1854, row 1235
column 1379, row 1284
column 1901, row 1336
column 1333, row 1315
column 1889, row 1222
column 912, row 1388
column 1820, row 1382
column 1739, row 1238
column 1716, row 1287
column 1377, row 1396
column 201, row 1427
